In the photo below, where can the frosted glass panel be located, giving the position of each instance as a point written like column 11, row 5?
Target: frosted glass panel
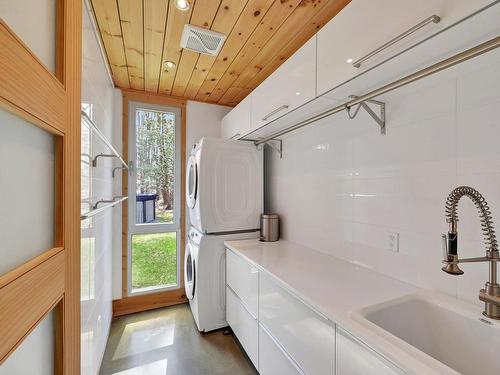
column 34, row 23
column 26, row 191
column 35, row 355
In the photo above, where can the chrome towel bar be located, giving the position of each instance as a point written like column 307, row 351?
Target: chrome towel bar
column 433, row 18
column 103, row 138
column 109, row 204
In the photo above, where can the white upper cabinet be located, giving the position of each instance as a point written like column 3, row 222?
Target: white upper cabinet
column 290, row 86
column 365, row 25
column 237, row 122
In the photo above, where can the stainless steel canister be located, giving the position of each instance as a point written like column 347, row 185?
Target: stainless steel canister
column 269, row 227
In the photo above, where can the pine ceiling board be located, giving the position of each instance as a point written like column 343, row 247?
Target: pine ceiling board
column 155, row 18
column 229, row 11
column 232, row 96
column 288, row 31
column 309, row 28
column 131, row 19
column 271, row 22
column 171, row 46
column 250, row 17
column 203, row 15
column 108, row 21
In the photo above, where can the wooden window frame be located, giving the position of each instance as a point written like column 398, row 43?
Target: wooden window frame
column 135, row 303
column 51, row 281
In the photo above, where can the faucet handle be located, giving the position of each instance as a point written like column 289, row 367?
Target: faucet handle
column 444, row 238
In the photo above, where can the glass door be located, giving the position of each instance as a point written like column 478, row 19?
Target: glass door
column 154, row 213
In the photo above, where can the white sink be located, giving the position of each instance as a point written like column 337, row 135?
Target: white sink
column 453, row 332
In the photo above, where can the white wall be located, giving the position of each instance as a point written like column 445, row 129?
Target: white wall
column 341, row 187
column 97, row 232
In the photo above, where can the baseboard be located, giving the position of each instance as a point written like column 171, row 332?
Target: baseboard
column 144, row 302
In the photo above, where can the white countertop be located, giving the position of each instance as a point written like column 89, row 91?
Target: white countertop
column 337, row 289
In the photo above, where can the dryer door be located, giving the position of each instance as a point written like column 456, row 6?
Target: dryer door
column 192, row 181
column 189, row 272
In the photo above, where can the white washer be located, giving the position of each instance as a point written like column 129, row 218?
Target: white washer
column 225, row 191
column 205, row 277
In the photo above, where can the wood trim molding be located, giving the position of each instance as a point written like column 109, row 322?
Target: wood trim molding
column 27, row 85
column 51, row 102
column 38, row 284
column 177, row 295
column 144, row 302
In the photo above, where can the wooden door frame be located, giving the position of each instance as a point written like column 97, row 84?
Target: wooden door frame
column 131, row 304
column 51, row 102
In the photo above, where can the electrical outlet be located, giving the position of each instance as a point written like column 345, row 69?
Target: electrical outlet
column 393, row 241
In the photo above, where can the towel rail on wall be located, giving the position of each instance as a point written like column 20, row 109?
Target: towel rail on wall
column 430, row 70
column 109, row 203
column 96, row 130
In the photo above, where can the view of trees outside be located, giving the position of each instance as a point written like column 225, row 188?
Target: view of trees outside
column 155, row 145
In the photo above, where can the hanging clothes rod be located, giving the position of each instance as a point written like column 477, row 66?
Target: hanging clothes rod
column 103, row 138
column 95, row 211
column 435, row 68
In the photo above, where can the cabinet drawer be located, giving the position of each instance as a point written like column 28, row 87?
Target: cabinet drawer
column 308, row 337
column 243, row 278
column 291, row 85
column 244, row 326
column 273, row 359
column 355, row 358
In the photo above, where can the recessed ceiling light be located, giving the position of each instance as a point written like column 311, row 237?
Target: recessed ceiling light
column 169, row 64
column 182, row 4
column 297, row 93
column 349, row 60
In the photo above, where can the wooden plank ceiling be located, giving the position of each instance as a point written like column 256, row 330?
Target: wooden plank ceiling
column 140, row 35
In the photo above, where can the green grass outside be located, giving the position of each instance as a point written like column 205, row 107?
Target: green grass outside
column 154, row 260
column 164, row 216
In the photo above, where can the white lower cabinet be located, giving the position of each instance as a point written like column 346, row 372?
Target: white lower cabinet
column 355, row 358
column 308, row 337
column 273, row 359
column 244, row 325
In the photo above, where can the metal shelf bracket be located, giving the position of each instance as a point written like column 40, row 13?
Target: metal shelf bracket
column 276, row 145
column 379, row 119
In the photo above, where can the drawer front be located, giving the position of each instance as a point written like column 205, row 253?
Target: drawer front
column 244, row 326
column 355, row 358
column 308, row 337
column 243, row 278
column 273, row 359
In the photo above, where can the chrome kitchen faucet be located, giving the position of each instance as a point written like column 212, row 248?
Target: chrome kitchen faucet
column 490, row 295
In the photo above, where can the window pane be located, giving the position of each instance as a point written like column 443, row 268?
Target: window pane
column 155, row 162
column 154, row 260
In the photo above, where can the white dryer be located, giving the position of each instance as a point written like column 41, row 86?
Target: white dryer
column 204, row 277
column 225, row 186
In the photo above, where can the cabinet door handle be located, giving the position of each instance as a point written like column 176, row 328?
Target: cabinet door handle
column 234, row 136
column 279, row 109
column 433, row 18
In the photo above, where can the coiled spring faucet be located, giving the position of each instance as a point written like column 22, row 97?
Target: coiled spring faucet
column 490, row 295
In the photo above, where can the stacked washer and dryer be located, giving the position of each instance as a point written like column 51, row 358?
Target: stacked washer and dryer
column 225, row 198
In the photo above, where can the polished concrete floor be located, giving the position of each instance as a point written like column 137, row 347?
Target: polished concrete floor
column 167, row 342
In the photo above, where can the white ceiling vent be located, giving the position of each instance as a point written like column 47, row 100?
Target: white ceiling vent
column 202, row 40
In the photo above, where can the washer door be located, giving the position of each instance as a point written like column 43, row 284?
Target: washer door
column 189, row 272
column 192, row 181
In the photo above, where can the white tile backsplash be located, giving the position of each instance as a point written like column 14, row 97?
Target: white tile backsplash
column 342, row 188
column 97, row 232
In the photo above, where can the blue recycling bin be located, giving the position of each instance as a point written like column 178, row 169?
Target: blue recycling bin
column 145, row 208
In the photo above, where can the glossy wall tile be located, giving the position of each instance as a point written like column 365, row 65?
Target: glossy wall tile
column 343, row 189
